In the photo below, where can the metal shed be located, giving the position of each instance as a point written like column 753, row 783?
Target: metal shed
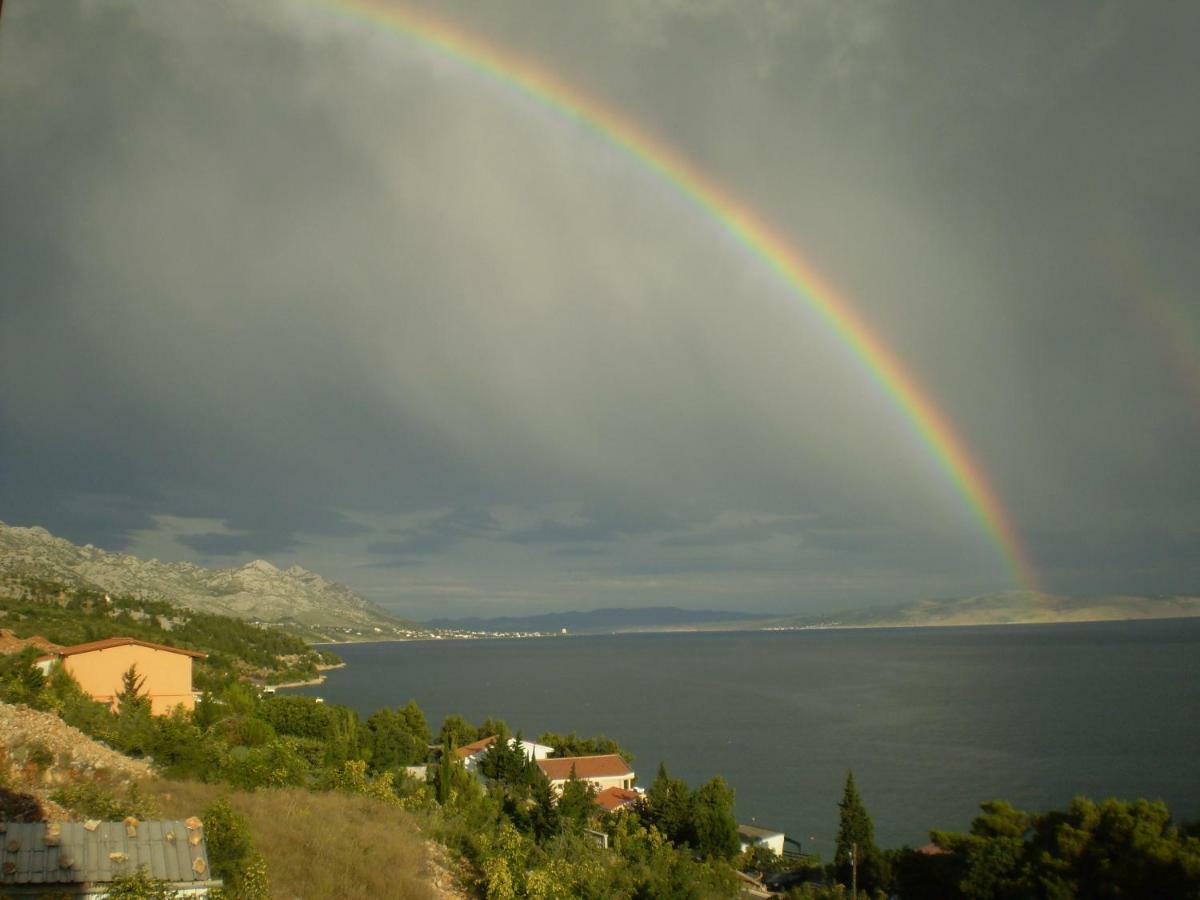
column 82, row 858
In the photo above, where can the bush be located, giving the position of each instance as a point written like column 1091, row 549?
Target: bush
column 231, row 854
column 182, row 749
column 273, row 765
column 244, row 731
column 20, row 680
column 139, row 886
column 93, row 800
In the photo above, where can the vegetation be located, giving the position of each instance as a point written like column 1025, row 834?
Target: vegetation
column 312, row 844
column 67, row 615
column 702, row 821
column 322, row 800
column 574, row 745
column 857, row 859
column 1090, row 850
column 139, row 886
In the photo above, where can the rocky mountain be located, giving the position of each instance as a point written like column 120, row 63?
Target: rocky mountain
column 257, row 590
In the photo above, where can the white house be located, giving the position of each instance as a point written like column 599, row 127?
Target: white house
column 753, row 836
column 472, row 753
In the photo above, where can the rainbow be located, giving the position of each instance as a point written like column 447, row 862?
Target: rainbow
column 744, row 224
column 1158, row 312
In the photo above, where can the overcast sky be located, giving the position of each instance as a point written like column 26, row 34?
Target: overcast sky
column 279, row 283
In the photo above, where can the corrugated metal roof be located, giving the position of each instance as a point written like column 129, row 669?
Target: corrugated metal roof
column 756, row 833
column 31, row 856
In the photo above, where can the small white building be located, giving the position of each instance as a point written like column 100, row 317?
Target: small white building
column 753, row 836
column 472, row 753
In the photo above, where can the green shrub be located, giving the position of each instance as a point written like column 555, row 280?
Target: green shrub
column 274, row 765
column 231, row 854
column 244, row 731
column 93, row 800
column 139, row 886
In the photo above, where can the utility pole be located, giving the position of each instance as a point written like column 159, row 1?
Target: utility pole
column 854, row 871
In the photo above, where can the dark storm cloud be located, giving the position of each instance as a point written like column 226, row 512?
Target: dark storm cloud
column 746, row 532
column 598, row 523
column 426, row 539
column 278, row 283
column 260, row 530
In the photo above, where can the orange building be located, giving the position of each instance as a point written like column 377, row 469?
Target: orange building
column 100, row 665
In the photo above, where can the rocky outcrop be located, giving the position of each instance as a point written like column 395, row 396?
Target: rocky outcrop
column 256, row 591
column 39, row 753
column 10, row 643
column 73, row 753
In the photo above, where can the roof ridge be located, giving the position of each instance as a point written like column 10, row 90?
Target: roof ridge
column 106, row 643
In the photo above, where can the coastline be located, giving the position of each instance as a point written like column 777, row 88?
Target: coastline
column 733, row 628
column 320, row 679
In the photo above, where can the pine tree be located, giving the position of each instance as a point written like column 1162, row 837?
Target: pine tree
column 130, row 699
column 713, row 823
column 668, row 806
column 856, row 840
column 544, row 817
column 576, row 806
column 445, row 773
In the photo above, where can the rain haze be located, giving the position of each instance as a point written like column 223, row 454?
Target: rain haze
column 280, row 281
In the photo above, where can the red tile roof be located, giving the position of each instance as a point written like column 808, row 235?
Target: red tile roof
column 471, row 749
column 616, row 797
column 609, row 765
column 109, row 643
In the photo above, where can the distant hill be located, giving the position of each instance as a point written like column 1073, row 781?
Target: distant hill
column 608, row 619
column 1006, row 608
column 256, row 591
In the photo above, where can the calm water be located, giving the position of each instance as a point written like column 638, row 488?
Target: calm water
column 932, row 721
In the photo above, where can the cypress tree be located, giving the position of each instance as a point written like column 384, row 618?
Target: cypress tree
column 856, row 831
column 445, row 772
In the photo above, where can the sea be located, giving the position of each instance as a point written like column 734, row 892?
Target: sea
column 932, row 721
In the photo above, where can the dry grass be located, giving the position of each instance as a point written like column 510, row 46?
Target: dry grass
column 320, row 845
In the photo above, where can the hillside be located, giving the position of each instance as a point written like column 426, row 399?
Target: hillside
column 1006, row 608
column 44, row 760
column 257, row 591
column 605, row 620
column 40, row 753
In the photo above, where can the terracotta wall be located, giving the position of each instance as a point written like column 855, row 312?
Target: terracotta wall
column 168, row 675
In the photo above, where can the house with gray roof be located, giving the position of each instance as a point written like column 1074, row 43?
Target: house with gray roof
column 81, row 859
column 753, row 836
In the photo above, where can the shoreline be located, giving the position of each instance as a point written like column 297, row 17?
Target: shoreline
column 320, row 679
column 719, row 628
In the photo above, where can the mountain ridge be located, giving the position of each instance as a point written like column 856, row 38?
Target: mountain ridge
column 608, row 617
column 257, row 590
column 1017, row 607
